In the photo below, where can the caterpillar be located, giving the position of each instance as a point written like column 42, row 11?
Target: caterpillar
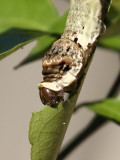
column 63, row 65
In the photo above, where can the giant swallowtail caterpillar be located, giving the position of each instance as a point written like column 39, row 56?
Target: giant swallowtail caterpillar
column 63, row 65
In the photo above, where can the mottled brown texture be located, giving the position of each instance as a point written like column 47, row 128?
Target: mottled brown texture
column 59, row 58
column 62, row 50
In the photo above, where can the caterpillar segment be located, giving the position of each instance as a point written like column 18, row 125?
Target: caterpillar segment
column 63, row 65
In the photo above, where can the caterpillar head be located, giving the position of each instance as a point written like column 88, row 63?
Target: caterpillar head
column 50, row 97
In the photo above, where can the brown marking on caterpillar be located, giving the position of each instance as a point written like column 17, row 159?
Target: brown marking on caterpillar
column 56, row 63
column 57, row 60
column 79, row 45
column 68, row 49
column 75, row 40
column 58, row 66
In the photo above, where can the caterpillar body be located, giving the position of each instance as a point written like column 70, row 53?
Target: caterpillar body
column 63, row 65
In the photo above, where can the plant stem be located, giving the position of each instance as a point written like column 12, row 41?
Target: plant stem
column 95, row 124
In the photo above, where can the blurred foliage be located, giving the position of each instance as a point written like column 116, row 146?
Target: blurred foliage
column 13, row 39
column 110, row 108
column 23, row 21
column 31, row 15
column 111, row 39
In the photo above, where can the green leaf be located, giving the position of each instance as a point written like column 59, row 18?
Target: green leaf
column 47, row 129
column 113, row 29
column 59, row 25
column 114, row 11
column 42, row 46
column 16, row 38
column 111, row 42
column 109, row 108
column 111, row 38
column 23, row 21
column 32, row 15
